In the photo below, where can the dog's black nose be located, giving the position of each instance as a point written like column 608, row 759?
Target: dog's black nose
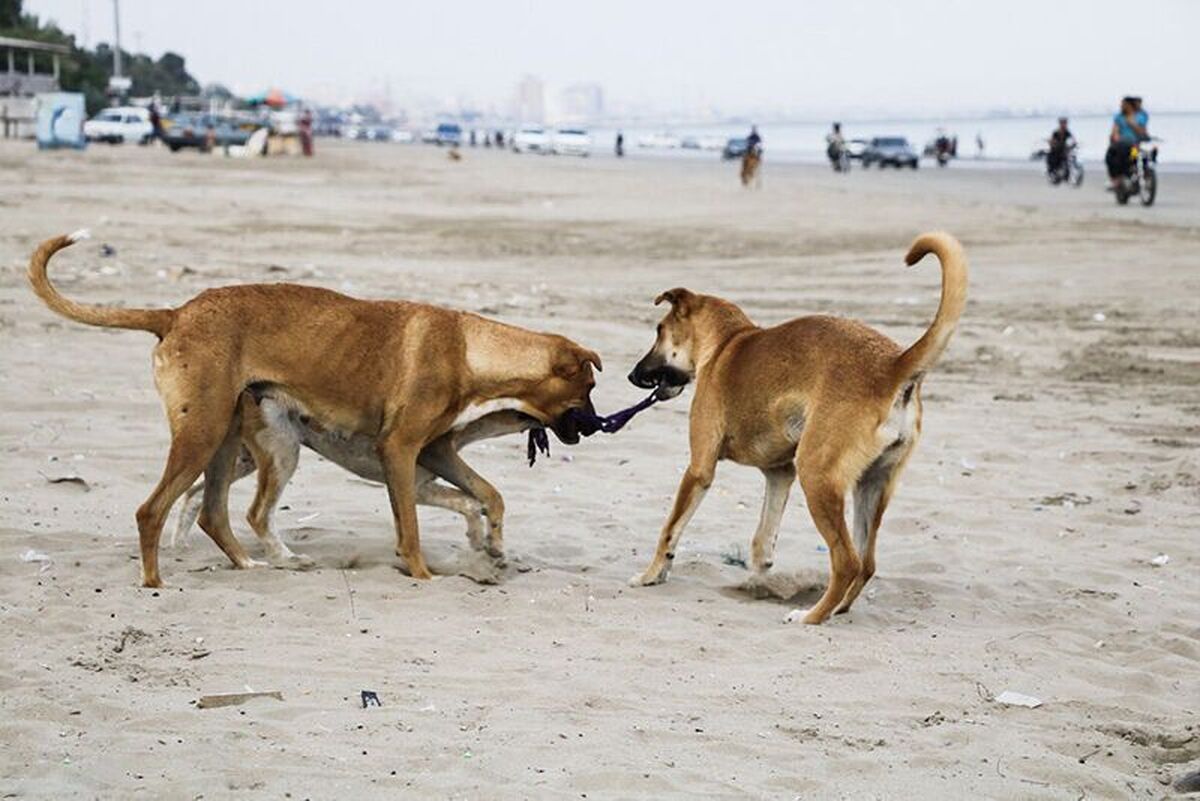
column 638, row 379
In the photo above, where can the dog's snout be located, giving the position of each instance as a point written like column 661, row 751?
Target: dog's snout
column 642, row 378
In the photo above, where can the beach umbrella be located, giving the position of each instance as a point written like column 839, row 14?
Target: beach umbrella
column 275, row 98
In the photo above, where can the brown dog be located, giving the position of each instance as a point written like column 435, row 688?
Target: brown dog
column 826, row 399
column 401, row 374
column 751, row 161
column 273, row 433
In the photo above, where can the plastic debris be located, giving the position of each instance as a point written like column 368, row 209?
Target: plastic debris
column 1010, row 698
column 37, row 557
column 68, row 478
column 1162, row 560
column 370, row 698
column 1099, row 317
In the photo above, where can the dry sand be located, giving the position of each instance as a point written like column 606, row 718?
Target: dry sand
column 1059, row 457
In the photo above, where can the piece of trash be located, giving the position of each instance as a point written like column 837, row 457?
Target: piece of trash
column 734, row 555
column 233, row 699
column 1010, row 698
column 794, row 616
column 38, row 557
column 370, row 698
column 67, row 478
column 1162, row 560
column 1099, row 317
column 967, row 465
column 306, row 518
column 107, row 250
column 1008, row 331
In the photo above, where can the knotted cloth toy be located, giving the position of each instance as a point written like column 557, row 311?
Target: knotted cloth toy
column 588, row 423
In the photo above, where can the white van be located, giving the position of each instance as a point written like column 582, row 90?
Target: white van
column 120, row 124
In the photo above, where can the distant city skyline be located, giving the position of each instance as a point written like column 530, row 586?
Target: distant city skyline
column 857, row 58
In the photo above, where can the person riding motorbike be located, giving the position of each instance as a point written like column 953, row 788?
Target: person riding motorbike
column 1128, row 128
column 1061, row 141
column 835, row 144
column 753, row 141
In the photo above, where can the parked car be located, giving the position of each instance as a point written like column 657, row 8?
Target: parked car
column 734, row 149
column 121, row 124
column 190, row 130
column 531, row 138
column 893, row 150
column 572, row 142
column 856, row 147
column 449, row 134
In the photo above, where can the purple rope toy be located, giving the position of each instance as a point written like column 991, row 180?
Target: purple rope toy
column 589, row 424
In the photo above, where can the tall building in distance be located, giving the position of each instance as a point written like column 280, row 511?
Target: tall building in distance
column 530, row 105
column 582, row 102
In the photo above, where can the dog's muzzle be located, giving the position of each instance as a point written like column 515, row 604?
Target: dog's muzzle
column 667, row 381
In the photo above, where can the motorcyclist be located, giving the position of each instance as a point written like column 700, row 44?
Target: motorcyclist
column 753, row 141
column 835, row 144
column 1129, row 127
column 1061, row 141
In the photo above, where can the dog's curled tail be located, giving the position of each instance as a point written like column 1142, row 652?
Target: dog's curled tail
column 926, row 350
column 156, row 321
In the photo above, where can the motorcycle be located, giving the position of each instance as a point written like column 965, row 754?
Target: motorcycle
column 1141, row 177
column 1067, row 171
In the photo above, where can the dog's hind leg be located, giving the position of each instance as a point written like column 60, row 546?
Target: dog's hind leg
column 276, row 452
column 871, row 496
column 193, row 499
column 825, row 463
column 214, row 512
column 198, row 427
column 779, row 486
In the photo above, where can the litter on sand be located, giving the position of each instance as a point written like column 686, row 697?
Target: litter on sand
column 38, row 557
column 233, row 699
column 68, row 478
column 1010, row 698
column 1162, row 560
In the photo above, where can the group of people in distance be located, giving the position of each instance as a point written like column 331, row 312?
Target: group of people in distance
column 1129, row 127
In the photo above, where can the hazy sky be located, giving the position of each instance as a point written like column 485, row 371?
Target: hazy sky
column 831, row 57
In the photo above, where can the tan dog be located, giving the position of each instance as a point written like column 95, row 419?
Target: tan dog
column 401, row 374
column 826, row 399
column 751, row 161
column 273, row 433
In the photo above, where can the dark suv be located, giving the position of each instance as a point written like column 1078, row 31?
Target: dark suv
column 893, row 150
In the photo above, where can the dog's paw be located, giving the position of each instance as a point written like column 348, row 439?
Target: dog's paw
column 251, row 564
column 293, row 561
column 648, row 579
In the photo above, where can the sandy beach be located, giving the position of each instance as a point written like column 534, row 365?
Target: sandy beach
column 1059, row 459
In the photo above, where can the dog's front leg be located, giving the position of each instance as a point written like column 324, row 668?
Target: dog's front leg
column 442, row 459
column 399, row 457
column 692, row 489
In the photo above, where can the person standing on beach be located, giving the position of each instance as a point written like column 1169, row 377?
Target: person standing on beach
column 979, row 145
column 155, row 123
column 620, row 147
column 305, row 129
column 1128, row 128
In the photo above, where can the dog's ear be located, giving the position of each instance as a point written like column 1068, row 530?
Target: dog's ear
column 591, row 357
column 681, row 300
column 571, row 360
